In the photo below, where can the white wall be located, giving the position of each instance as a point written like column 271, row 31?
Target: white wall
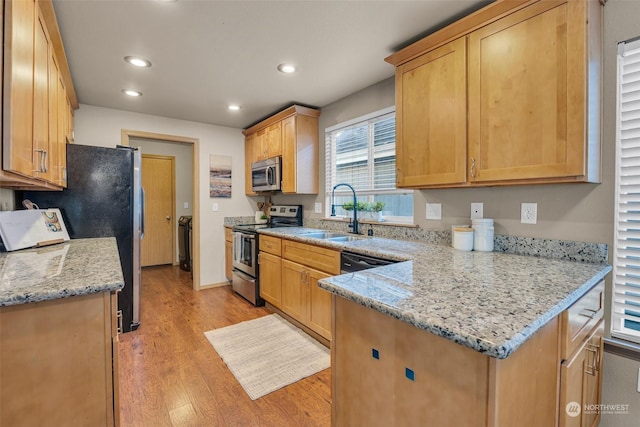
column 102, row 127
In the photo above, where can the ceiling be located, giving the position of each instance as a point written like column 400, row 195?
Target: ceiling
column 207, row 54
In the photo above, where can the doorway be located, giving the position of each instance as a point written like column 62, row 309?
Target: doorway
column 158, row 181
column 155, row 143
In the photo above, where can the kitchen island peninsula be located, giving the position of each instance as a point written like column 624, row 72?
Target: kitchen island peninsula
column 452, row 338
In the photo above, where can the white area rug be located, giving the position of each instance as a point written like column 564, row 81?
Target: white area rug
column 268, row 353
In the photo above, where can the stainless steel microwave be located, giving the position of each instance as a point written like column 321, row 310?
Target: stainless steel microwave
column 266, row 175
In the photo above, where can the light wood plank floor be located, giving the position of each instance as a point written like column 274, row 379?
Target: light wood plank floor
column 171, row 376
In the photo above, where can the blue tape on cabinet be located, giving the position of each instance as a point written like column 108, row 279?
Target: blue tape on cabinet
column 375, row 353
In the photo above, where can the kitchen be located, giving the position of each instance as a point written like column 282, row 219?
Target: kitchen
column 565, row 212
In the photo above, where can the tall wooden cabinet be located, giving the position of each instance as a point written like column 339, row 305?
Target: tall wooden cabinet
column 508, row 95
column 38, row 98
column 292, row 134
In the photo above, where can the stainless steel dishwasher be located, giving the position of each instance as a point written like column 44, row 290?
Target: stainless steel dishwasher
column 351, row 261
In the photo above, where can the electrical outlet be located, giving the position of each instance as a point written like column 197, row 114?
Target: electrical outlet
column 638, row 380
column 317, row 208
column 476, row 210
column 529, row 213
column 185, row 205
column 434, row 211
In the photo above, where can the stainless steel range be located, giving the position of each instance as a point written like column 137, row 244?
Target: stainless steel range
column 246, row 245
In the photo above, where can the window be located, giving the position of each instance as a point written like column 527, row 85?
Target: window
column 362, row 153
column 625, row 322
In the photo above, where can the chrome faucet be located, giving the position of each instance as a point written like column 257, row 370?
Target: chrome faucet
column 354, row 224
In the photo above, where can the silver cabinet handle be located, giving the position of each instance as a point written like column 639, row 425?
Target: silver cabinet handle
column 168, row 218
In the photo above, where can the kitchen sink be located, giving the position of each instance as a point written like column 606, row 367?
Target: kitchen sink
column 343, row 238
column 323, row 235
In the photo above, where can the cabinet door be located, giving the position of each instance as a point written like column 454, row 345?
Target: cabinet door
column 581, row 383
column 249, row 157
column 261, row 150
column 295, row 291
column 41, row 57
column 527, row 94
column 289, row 153
column 270, row 278
column 319, row 305
column 228, row 260
column 273, row 140
column 18, row 154
column 64, row 115
column 431, row 118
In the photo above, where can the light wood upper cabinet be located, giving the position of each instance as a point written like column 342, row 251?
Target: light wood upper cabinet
column 249, row 158
column 292, row 134
column 38, row 98
column 300, row 154
column 532, row 90
column 18, row 144
column 431, row 117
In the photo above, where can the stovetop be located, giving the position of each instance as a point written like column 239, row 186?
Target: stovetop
column 281, row 216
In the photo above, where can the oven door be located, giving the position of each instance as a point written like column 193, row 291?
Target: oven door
column 245, row 252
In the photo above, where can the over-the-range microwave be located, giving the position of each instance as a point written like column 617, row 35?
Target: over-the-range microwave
column 266, row 175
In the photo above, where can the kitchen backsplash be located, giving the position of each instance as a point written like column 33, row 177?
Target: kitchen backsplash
column 545, row 248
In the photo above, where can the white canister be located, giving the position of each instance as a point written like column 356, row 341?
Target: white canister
column 482, row 234
column 462, row 238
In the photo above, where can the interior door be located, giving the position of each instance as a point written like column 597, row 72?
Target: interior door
column 158, row 244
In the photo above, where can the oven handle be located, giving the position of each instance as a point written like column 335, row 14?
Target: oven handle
column 244, row 275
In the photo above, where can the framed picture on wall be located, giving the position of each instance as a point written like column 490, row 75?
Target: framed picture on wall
column 219, row 176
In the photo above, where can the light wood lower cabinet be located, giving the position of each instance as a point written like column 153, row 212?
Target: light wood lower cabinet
column 270, row 278
column 388, row 372
column 228, row 254
column 581, row 383
column 59, row 362
column 289, row 275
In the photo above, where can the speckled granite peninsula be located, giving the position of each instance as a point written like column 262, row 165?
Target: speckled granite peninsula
column 77, row 267
column 490, row 302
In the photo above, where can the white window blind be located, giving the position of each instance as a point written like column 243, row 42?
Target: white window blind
column 625, row 322
column 362, row 153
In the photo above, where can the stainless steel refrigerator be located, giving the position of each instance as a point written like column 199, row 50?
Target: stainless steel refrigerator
column 104, row 198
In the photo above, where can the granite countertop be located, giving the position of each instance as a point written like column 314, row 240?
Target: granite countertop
column 76, row 267
column 488, row 301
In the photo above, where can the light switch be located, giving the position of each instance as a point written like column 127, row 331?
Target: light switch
column 186, row 205
column 214, row 207
column 317, row 208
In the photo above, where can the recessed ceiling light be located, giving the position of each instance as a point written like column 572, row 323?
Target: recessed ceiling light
column 131, row 92
column 287, row 68
column 137, row 61
column 233, row 107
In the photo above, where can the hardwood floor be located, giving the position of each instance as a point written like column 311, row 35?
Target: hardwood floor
column 171, row 376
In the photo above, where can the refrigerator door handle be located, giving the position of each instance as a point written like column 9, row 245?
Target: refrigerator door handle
column 142, row 200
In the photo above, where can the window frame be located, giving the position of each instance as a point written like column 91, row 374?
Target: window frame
column 363, row 195
column 626, row 254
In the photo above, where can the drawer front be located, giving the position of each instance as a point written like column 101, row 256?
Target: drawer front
column 323, row 259
column 228, row 234
column 579, row 320
column 270, row 244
